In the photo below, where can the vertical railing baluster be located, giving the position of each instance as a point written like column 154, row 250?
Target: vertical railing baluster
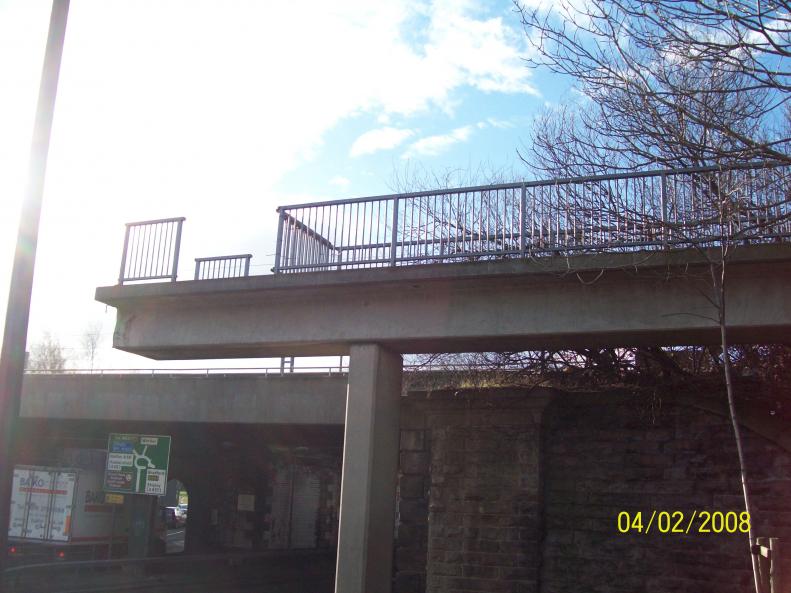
column 394, row 232
column 157, row 260
column 135, row 269
column 148, row 232
column 405, row 206
column 286, row 260
column 166, row 250
column 122, row 274
column 523, row 220
column 297, row 248
column 176, row 250
column 279, row 244
column 375, row 254
column 663, row 208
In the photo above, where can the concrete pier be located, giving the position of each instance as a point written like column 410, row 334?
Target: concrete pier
column 370, row 467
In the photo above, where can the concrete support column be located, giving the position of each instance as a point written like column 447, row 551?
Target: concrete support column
column 370, row 468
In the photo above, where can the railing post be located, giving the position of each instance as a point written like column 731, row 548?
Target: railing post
column 763, row 552
column 176, row 250
column 778, row 579
column 522, row 219
column 663, row 206
column 197, row 268
column 122, row 274
column 394, row 239
column 279, row 244
column 247, row 265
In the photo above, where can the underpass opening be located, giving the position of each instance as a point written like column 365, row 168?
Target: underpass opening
column 173, row 516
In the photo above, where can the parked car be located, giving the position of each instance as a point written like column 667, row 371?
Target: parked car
column 172, row 517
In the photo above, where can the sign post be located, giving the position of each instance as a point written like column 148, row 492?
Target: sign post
column 137, row 464
column 114, row 500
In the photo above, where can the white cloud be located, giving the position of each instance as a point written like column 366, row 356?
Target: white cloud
column 499, row 123
column 483, row 53
column 173, row 108
column 379, row 139
column 340, row 181
column 434, row 145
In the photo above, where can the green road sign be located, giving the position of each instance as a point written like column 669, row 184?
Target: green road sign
column 137, row 464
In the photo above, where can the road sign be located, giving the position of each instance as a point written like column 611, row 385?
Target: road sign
column 110, row 498
column 137, row 464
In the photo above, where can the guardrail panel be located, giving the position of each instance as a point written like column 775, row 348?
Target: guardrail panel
column 223, row 266
column 151, row 250
column 623, row 212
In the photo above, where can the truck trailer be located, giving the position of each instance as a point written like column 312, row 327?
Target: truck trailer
column 61, row 513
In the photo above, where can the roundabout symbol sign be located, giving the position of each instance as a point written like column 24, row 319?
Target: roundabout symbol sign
column 137, row 464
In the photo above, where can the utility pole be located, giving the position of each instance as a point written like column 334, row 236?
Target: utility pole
column 12, row 360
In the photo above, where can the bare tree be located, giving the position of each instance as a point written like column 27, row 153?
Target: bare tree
column 753, row 37
column 674, row 84
column 91, row 339
column 659, row 89
column 47, row 355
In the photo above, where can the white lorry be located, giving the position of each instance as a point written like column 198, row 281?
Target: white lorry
column 61, row 513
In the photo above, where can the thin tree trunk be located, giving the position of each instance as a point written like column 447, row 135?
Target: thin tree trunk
column 719, row 288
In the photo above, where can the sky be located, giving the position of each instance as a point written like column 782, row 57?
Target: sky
column 222, row 111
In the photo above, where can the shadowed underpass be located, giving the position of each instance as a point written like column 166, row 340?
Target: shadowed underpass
column 290, row 572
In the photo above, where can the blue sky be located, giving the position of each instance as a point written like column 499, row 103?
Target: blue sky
column 221, row 111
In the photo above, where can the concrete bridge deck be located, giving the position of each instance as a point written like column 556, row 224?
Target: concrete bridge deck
column 298, row 398
column 657, row 298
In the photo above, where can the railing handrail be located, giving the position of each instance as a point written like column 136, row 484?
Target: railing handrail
column 298, row 224
column 541, row 183
column 224, row 257
column 157, row 221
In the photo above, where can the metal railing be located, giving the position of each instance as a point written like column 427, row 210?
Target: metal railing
column 283, row 369
column 770, row 574
column 151, row 250
column 224, row 266
column 624, row 212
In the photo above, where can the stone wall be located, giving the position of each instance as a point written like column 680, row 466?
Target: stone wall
column 607, row 455
column 469, row 493
column 520, row 492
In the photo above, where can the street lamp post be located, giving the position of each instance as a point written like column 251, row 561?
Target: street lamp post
column 12, row 360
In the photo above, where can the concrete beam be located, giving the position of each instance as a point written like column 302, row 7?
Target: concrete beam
column 230, row 398
column 370, row 468
column 656, row 298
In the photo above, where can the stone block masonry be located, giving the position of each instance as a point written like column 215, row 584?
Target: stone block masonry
column 469, row 492
column 604, row 454
column 516, row 491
